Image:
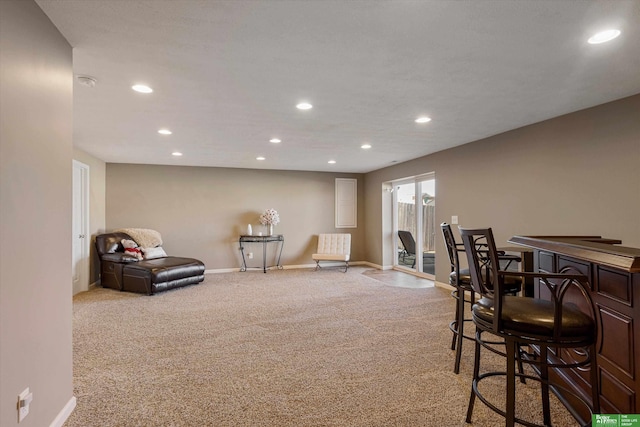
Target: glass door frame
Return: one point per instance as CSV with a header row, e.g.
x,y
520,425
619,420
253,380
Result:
x,y
417,182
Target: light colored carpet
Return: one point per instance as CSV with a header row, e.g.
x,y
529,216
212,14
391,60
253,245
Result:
x,y
286,348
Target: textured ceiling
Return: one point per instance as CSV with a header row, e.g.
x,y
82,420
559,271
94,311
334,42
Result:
x,y
227,75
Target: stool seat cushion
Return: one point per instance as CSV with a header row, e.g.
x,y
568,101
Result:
x,y
463,281
522,316
512,284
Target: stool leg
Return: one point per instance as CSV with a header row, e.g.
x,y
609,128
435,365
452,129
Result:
x,y
456,295
476,374
544,376
520,367
459,328
510,408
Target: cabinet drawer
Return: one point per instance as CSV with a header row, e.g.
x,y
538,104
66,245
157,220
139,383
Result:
x,y
572,266
615,285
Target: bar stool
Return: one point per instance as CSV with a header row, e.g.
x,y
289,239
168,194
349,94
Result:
x,y
461,282
544,324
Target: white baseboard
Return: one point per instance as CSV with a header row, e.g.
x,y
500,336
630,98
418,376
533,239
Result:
x,y
300,266
329,264
376,266
221,270
64,413
444,285
94,285
324,264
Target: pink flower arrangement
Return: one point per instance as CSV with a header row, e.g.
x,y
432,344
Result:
x,y
269,217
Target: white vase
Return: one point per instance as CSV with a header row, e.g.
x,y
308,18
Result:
x,y
249,230
270,230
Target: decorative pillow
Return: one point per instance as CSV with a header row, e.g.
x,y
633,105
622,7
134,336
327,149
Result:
x,y
144,237
131,248
151,253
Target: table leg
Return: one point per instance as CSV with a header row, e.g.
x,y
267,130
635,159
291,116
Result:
x,y
280,256
244,262
264,257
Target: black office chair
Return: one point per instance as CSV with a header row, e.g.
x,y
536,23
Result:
x,y
409,244
461,281
565,319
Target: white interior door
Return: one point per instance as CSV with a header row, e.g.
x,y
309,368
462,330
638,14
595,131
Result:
x,y
80,227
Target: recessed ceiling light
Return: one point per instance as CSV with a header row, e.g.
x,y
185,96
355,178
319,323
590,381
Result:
x,y
165,132
332,162
275,140
176,153
142,88
423,119
261,158
365,146
304,106
603,36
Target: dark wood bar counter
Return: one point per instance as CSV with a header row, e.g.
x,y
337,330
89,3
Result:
x,y
614,277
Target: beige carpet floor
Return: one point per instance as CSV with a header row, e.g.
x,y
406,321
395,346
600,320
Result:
x,y
286,348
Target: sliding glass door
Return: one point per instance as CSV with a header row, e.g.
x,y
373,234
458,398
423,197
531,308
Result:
x,y
414,224
428,220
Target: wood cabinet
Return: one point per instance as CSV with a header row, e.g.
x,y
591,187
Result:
x,y
614,277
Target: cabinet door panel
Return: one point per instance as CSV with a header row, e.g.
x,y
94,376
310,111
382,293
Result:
x,y
615,396
617,340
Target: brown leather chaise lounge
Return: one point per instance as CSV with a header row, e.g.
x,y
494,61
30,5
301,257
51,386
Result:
x,y
125,273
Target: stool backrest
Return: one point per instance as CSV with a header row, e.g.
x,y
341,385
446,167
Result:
x,y
482,256
452,248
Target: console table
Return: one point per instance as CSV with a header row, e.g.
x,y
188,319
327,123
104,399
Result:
x,y
614,278
277,239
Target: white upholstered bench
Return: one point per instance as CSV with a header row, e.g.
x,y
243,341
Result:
x,y
333,247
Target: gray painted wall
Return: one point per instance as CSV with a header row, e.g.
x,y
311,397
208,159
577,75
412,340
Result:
x,y
574,174
35,214
201,211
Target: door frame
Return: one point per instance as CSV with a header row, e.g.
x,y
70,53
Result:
x,y
83,193
417,181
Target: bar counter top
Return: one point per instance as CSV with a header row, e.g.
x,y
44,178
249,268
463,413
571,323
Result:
x,y
595,249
